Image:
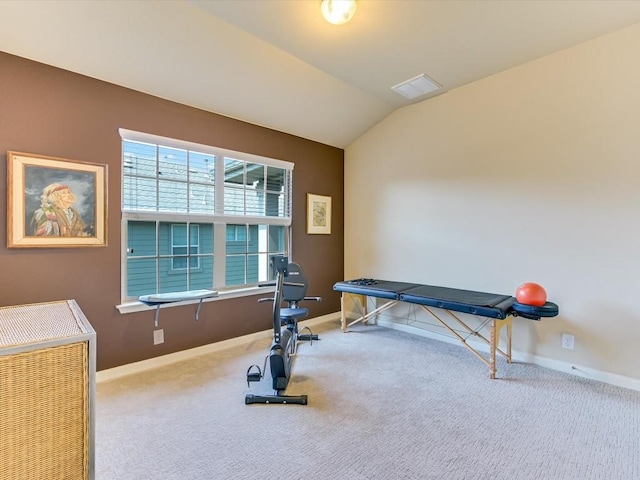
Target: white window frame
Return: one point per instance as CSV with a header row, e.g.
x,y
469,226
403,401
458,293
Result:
x,y
218,218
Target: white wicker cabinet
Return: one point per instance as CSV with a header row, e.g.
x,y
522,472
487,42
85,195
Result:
x,y
47,392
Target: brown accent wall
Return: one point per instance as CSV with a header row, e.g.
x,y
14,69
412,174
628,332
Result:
x,y
49,111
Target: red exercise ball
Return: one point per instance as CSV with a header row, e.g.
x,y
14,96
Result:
x,y
531,294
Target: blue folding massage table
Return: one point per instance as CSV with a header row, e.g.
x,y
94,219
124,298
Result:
x,y
499,310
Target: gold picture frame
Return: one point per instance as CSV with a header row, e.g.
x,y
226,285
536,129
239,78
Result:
x,y
318,214
55,202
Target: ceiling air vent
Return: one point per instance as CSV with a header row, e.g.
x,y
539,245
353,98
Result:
x,y
416,87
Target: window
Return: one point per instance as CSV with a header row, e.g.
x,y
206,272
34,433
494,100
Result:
x,y
196,217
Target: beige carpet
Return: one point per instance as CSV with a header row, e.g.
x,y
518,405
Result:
x,y
383,404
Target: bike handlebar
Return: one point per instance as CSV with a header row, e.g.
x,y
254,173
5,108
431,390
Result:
x,y
288,284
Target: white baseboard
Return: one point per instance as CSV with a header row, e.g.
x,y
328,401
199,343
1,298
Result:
x,y
577,370
584,372
163,360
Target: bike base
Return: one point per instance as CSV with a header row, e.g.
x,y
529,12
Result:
x,y
250,399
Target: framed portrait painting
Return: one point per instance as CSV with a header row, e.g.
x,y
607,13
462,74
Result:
x,y
55,203
318,214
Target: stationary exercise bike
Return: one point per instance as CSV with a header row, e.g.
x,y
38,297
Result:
x,y
291,287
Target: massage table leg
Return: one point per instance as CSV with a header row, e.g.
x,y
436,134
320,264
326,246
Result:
x,y
493,341
496,326
364,314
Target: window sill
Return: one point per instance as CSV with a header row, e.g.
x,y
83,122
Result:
x,y
136,306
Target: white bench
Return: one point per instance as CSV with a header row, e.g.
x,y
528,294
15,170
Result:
x,y
159,299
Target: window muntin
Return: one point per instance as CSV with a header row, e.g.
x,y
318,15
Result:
x,y
185,245
248,248
176,197
156,264
254,189
166,179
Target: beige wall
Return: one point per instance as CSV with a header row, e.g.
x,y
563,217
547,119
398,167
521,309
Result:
x,y
528,175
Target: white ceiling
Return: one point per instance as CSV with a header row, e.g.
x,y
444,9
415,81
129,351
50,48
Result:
x,y
277,63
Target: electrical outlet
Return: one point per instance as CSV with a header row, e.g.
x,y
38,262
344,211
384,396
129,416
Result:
x,y
158,336
568,341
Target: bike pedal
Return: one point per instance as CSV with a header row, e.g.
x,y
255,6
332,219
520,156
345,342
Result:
x,y
255,376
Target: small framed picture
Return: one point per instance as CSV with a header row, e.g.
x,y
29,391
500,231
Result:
x,y
55,203
318,214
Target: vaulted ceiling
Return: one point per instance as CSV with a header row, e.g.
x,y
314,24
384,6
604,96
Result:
x,y
279,64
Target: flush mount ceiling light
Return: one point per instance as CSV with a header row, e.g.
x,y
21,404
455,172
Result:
x,y
338,12
416,87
